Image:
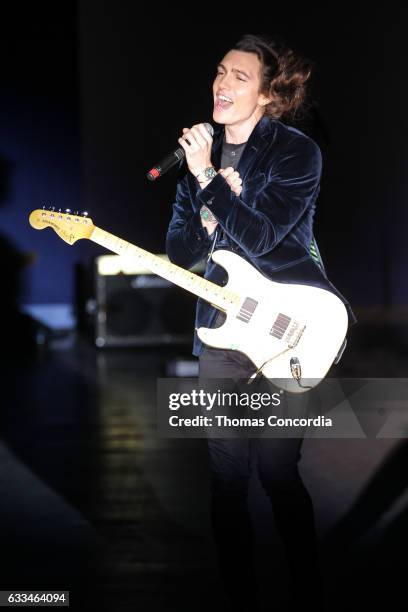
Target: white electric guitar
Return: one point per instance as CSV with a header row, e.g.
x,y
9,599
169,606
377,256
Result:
x,y
292,333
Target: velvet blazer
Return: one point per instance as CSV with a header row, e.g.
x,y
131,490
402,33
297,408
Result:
x,y
270,224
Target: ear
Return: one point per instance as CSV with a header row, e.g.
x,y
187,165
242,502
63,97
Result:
x,y
264,100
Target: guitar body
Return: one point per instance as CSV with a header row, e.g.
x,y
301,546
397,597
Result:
x,y
275,317
272,323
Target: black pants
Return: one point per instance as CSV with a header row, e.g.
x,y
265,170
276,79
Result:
x,y
231,462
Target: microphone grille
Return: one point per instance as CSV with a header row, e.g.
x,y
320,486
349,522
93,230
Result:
x,y
209,128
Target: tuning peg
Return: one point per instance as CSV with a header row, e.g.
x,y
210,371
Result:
x,y
68,211
84,213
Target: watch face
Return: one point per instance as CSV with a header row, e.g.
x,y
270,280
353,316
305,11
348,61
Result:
x,y
210,172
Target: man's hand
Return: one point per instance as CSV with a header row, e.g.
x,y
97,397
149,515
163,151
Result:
x,y
235,182
233,179
197,144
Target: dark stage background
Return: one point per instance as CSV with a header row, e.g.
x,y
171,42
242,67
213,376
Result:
x,y
141,85
92,94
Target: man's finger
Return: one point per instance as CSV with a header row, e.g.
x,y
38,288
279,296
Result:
x,y
204,133
227,172
200,140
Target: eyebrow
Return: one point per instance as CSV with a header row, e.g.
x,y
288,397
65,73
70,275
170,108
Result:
x,y
235,70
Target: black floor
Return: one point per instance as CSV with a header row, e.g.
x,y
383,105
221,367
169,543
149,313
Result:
x,y
95,502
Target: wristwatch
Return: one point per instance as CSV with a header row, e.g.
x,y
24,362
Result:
x,y
208,173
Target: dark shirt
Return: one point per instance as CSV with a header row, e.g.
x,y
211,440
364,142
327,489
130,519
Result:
x,y
231,154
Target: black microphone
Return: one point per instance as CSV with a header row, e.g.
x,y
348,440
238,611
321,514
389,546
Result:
x,y
168,162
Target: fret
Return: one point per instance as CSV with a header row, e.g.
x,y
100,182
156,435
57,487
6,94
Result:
x,y
201,287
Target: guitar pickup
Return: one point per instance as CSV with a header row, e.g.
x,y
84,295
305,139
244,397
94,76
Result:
x,y
294,334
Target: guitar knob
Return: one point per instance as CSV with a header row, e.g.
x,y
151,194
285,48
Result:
x,y
295,368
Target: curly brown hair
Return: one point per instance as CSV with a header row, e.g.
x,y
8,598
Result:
x,y
284,75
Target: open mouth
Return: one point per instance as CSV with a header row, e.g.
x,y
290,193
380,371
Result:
x,y
223,102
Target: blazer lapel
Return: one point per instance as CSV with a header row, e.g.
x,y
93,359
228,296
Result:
x,y
217,148
257,143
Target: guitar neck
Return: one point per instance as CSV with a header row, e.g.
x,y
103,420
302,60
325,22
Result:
x,y
208,291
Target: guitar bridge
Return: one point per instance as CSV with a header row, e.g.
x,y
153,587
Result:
x,y
294,334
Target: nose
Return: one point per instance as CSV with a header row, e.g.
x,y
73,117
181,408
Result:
x,y
222,81
225,79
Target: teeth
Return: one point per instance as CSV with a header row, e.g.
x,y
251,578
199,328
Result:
x,y
225,98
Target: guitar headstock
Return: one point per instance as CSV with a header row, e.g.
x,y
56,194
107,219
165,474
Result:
x,y
70,227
